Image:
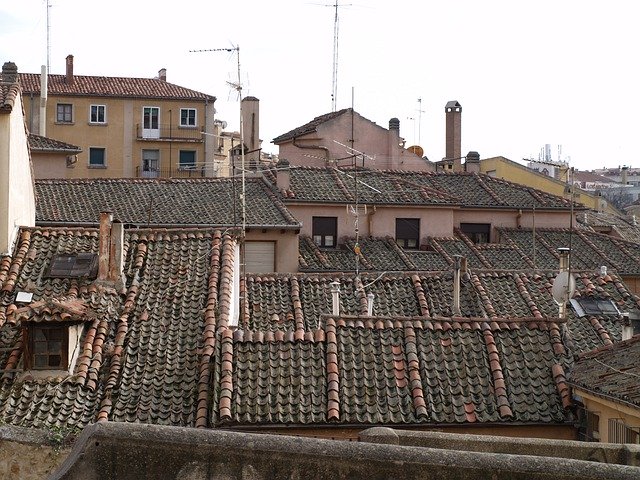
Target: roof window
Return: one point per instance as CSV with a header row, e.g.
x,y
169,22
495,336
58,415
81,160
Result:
x,y
75,265
594,306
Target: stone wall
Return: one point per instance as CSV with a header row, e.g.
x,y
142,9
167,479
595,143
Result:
x,y
28,454
110,451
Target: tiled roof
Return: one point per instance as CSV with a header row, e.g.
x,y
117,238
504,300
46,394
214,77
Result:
x,y
159,350
384,187
165,202
611,372
122,87
516,251
624,226
39,143
8,94
310,127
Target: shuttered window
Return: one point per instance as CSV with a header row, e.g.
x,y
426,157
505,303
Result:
x,y
260,257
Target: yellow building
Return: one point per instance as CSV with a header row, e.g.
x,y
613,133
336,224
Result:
x,y
125,127
605,381
501,167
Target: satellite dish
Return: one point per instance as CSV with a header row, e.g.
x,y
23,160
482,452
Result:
x,y
563,287
417,149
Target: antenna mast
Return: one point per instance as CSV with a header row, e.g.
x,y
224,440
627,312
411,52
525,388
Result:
x,y
48,37
334,85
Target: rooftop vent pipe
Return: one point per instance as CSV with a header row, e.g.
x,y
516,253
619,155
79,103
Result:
x,y
370,297
335,295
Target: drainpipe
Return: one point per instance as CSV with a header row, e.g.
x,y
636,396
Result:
x,y
335,294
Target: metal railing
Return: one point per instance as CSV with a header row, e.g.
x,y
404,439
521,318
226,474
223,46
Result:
x,y
170,132
185,172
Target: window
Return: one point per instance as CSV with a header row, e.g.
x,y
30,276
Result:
x,y
150,163
97,157
73,266
64,113
594,306
477,232
408,232
325,231
259,257
187,117
48,347
98,114
151,117
187,159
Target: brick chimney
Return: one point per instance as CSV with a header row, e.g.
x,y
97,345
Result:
x,y
162,74
453,111
69,79
395,143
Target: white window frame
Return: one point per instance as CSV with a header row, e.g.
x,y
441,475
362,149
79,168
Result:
x,y
98,108
195,117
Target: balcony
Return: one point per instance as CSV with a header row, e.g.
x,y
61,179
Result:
x,y
170,133
190,172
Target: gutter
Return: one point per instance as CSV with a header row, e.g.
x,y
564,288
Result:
x,y
147,226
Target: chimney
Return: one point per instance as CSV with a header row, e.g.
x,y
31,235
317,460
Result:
x,y
395,143
9,72
627,327
460,266
563,283
162,74
69,79
104,248
116,253
283,175
624,175
370,297
453,111
44,86
472,163
335,296
251,125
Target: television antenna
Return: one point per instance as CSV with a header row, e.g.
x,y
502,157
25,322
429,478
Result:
x,y
238,87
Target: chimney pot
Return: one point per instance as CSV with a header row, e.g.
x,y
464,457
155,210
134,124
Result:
x,y
370,297
162,74
394,124
69,78
472,163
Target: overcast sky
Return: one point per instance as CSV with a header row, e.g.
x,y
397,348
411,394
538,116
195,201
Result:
x,y
526,73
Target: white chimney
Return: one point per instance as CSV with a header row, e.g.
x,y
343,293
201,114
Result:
x,y
104,247
627,327
335,295
456,285
116,252
370,297
603,271
44,86
283,175
234,308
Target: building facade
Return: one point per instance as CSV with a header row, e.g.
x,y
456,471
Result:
x,y
125,127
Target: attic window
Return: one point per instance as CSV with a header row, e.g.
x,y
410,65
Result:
x,y
73,266
594,306
48,347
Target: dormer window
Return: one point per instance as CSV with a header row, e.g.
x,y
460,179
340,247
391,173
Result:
x,y
47,347
51,331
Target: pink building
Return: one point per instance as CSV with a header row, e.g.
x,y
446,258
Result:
x,y
346,138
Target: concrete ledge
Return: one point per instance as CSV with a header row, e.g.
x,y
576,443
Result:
x,y
626,454
121,451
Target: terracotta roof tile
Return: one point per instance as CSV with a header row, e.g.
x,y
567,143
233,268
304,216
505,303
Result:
x,y
165,202
121,87
39,143
610,372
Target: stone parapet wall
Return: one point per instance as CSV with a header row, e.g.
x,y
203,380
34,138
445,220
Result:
x,y
110,451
